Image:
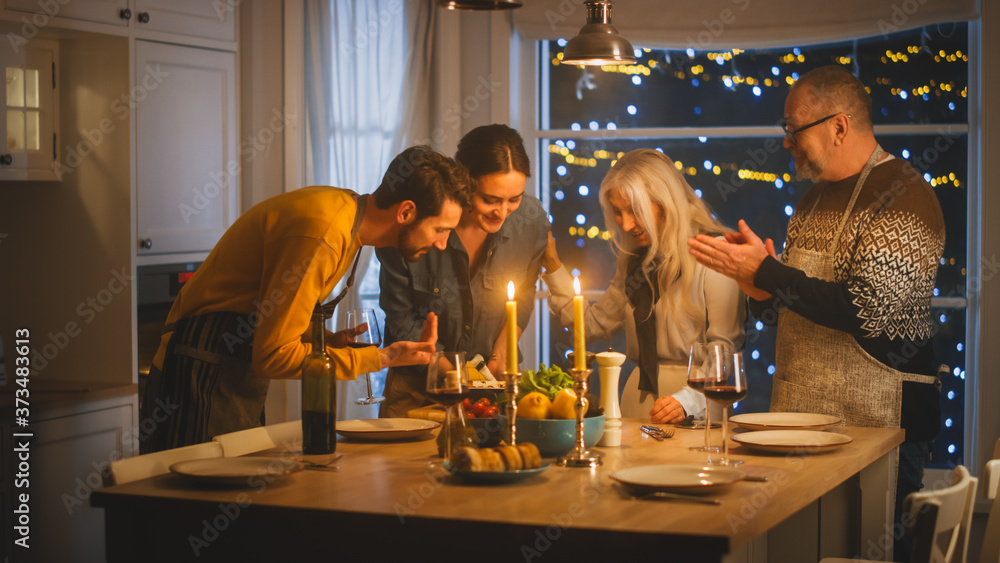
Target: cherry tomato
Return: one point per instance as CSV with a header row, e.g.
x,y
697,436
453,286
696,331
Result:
x,y
466,404
470,414
491,412
479,406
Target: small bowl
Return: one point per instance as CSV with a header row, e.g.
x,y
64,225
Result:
x,y
555,437
489,431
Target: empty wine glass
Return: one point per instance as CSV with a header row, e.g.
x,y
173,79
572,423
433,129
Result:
x,y
371,336
727,385
702,359
448,384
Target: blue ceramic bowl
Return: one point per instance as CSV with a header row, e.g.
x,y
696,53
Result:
x,y
489,431
555,437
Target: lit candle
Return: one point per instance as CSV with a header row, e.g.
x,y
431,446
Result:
x,y
511,329
579,343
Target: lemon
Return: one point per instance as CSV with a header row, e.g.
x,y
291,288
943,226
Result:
x,y
534,405
565,404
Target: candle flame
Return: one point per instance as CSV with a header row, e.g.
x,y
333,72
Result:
x,y
510,290
576,285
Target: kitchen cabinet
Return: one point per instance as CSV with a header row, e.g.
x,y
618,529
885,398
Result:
x,y
187,168
30,115
68,457
99,11
196,18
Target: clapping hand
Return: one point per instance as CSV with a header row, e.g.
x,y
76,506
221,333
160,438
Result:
x,y
738,257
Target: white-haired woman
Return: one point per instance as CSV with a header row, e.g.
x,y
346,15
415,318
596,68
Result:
x,y
660,296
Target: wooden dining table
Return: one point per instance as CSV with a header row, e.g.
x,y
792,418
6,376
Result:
x,y
393,501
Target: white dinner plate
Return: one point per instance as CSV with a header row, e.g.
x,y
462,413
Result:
x,y
792,441
784,421
385,429
236,471
687,478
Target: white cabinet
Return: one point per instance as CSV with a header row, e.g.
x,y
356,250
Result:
x,y
66,461
70,454
187,167
29,116
99,11
197,18
209,19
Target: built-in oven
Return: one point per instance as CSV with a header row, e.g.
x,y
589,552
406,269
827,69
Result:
x,y
156,288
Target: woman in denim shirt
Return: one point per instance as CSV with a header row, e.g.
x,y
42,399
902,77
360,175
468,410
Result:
x,y
501,238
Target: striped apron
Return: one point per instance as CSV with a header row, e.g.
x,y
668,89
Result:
x,y
207,386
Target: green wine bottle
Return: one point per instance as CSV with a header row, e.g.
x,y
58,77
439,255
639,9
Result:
x,y
319,394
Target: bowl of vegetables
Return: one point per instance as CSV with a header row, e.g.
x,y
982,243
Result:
x,y
546,413
482,416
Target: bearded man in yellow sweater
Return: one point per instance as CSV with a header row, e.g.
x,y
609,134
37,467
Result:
x,y
239,321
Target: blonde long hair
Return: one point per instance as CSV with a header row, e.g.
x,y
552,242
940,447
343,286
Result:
x,y
649,180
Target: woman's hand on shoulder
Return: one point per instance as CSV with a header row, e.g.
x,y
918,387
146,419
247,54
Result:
x,y
550,260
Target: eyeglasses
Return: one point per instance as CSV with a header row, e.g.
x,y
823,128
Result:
x,y
790,133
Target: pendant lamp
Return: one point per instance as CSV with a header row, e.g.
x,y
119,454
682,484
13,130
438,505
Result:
x,y
479,5
598,42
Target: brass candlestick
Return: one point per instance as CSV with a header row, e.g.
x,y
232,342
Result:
x,y
580,456
511,380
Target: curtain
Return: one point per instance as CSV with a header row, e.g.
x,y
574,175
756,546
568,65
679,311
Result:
x,y
367,74
726,24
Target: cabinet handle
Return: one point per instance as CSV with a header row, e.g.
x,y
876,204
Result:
x,y
125,14
6,159
146,243
143,17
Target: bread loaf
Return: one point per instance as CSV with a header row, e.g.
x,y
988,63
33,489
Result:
x,y
501,458
511,457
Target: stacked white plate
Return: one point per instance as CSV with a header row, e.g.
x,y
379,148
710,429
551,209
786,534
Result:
x,y
784,421
789,432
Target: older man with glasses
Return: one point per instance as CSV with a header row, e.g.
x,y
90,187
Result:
x,y
850,294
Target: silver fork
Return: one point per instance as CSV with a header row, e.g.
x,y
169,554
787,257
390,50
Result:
x,y
657,432
328,466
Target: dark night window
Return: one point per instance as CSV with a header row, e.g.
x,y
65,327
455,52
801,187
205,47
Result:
x,y
716,115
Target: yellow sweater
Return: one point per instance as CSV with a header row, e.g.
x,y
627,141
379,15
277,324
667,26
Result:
x,y
275,263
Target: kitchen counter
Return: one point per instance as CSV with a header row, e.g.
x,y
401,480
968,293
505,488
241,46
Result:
x,y
388,503
53,398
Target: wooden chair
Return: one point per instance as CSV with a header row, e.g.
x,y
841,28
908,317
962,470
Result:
x,y
158,463
990,551
252,440
942,519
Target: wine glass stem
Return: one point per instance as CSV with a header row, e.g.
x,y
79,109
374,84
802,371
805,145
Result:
x,y
368,380
708,428
447,433
725,444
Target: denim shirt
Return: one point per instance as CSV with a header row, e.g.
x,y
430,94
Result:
x,y
471,311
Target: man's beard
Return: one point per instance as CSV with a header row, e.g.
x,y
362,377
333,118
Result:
x,y
406,248
808,169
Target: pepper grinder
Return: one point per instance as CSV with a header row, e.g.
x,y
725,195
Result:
x,y
609,368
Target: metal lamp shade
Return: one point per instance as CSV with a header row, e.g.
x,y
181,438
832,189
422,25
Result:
x,y
479,5
598,42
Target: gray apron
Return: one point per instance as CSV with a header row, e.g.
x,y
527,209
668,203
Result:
x,y
825,371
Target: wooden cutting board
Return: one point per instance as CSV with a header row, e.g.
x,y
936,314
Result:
x,y
430,412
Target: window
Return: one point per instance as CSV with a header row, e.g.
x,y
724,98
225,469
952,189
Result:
x,y
29,116
716,115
